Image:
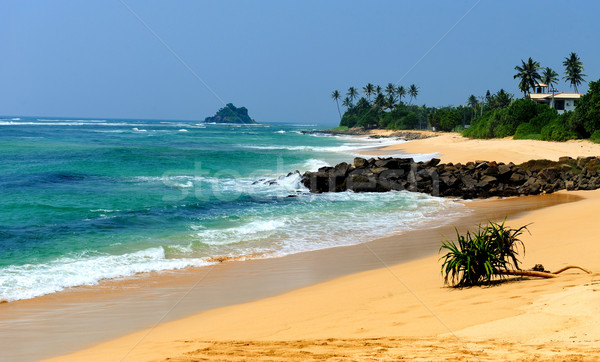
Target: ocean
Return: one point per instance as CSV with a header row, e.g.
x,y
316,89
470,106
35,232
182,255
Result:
x,y
82,200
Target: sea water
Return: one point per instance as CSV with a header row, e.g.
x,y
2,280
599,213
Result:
x,y
83,200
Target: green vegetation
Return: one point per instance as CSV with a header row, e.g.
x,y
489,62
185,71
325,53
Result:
x,y
340,128
525,119
573,70
527,74
231,114
476,258
383,108
495,115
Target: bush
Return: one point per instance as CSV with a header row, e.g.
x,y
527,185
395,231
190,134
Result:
x,y
586,118
556,131
504,130
503,122
477,257
527,131
595,137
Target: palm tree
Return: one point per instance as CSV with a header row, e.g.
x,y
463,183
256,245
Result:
x,y
400,92
390,90
502,99
369,90
574,70
390,102
378,90
352,93
347,103
549,76
336,96
379,102
472,102
528,75
413,91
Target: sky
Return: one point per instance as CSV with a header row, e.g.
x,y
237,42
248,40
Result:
x,y
183,60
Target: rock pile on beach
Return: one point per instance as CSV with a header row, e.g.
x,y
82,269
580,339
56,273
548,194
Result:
x,y
478,179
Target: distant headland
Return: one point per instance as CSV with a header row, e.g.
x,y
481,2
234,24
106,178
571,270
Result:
x,y
231,114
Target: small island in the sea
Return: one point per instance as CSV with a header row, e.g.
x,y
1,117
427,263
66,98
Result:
x,y
231,114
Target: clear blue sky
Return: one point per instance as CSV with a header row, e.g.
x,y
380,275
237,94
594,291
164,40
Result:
x,y
280,59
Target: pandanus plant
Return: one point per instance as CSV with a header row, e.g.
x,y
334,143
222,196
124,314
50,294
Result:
x,y
492,251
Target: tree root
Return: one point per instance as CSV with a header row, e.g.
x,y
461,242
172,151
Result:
x,y
539,274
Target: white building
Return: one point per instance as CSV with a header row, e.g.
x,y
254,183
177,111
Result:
x,y
561,101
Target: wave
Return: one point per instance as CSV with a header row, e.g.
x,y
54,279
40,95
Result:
x,y
29,281
242,233
314,164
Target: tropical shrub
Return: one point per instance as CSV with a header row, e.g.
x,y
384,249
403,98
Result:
x,y
595,137
557,130
504,122
475,258
586,118
527,131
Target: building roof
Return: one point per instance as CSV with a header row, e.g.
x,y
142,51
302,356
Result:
x,y
568,95
561,95
540,84
537,96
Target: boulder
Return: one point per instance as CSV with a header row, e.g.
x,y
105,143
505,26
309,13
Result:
x,y
360,162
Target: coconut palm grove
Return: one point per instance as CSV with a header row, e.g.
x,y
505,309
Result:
x,y
498,114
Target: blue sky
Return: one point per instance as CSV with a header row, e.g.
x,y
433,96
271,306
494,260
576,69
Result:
x,y
280,59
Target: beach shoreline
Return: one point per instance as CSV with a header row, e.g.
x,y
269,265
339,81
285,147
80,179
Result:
x,y
402,308
132,304
308,274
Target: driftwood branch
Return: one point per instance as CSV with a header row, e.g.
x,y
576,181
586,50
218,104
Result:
x,y
572,267
539,274
527,273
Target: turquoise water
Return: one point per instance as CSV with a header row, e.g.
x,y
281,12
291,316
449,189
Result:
x,y
85,200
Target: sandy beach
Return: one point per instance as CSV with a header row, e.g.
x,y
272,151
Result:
x,y
402,310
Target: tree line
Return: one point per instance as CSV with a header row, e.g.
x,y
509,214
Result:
x,y
380,108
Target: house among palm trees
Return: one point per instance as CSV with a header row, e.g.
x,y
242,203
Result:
x,y
561,101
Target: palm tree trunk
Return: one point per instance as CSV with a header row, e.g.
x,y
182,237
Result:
x,y
338,106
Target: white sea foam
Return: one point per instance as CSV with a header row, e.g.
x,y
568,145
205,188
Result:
x,y
234,235
139,130
323,221
314,164
183,130
29,281
280,131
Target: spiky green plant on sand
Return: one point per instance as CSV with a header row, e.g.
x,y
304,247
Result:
x,y
476,257
492,251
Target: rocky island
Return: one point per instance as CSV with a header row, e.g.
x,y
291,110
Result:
x,y
231,114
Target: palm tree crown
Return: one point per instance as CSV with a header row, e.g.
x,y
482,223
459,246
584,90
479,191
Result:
x,y
347,102
390,90
336,96
549,76
574,70
528,75
413,91
369,90
401,92
352,93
